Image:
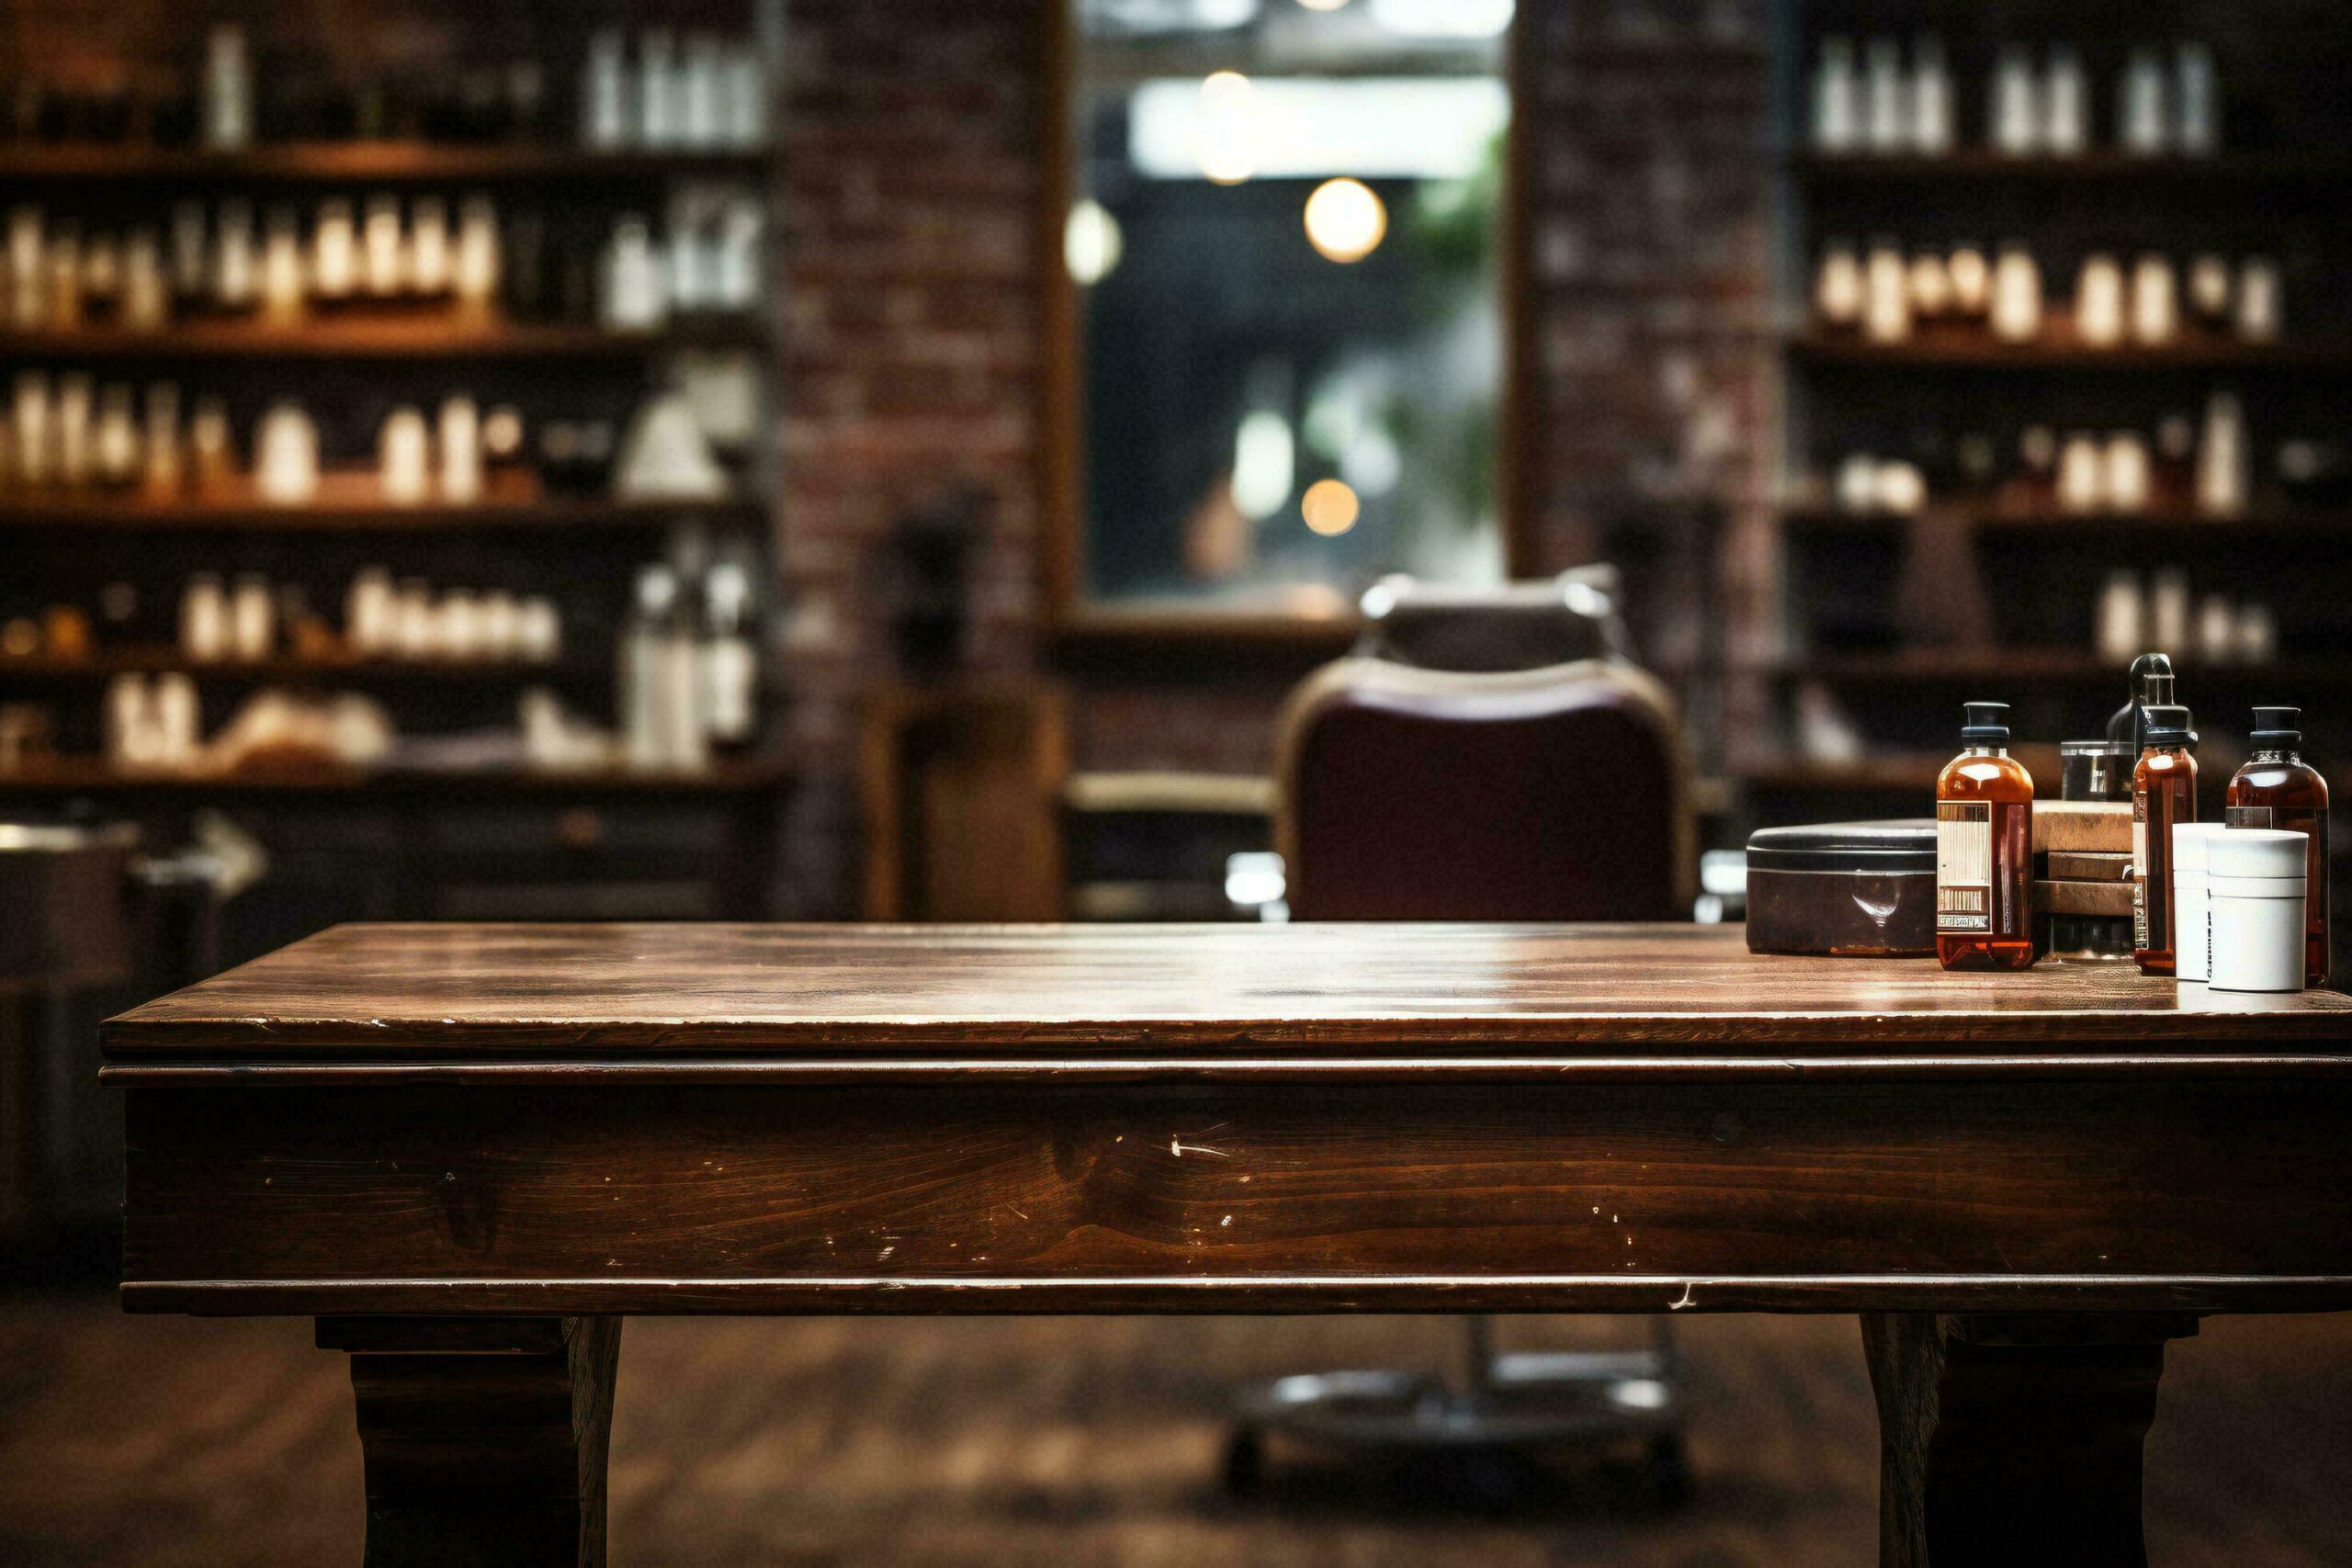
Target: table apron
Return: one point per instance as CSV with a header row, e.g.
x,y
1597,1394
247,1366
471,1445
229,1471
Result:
x,y
1953,1194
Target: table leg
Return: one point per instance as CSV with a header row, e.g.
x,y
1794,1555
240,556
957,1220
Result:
x,y
484,1438
2011,1438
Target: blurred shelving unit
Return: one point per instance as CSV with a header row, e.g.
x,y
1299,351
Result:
x,y
1885,620
480,837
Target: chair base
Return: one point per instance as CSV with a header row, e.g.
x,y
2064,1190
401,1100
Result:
x,y
1519,1403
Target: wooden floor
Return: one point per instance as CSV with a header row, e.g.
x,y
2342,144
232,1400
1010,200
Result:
x,y
159,1441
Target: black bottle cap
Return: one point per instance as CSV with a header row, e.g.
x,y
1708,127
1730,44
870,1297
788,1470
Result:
x,y
1988,724
2280,727
2168,725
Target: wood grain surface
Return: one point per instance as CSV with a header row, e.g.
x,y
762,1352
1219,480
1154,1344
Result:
x,y
1354,991
961,1198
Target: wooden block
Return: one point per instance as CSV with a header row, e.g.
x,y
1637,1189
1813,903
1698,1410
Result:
x,y
2111,898
2100,825
2083,865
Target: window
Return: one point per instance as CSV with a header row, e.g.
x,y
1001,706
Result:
x,y
1283,243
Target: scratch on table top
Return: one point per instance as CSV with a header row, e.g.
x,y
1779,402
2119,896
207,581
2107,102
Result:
x,y
1180,1148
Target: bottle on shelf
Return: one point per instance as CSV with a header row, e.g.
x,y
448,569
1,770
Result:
x,y
2065,105
2144,125
730,658
236,278
191,268
2016,310
603,93
1886,121
402,448
2257,315
146,291
2276,788
1985,850
2015,118
2098,301
1931,107
2222,456
1838,288
227,89
428,267
2197,109
659,111
161,468
1836,98
2155,301
660,677
1886,294
635,292
2164,794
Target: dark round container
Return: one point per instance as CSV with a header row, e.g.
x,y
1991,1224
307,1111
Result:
x,y
1849,889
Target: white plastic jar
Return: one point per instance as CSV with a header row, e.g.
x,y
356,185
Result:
x,y
2192,923
2255,885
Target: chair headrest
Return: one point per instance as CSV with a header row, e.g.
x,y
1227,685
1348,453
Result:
x,y
1494,627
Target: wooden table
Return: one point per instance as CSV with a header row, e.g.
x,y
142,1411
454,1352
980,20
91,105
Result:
x,y
468,1151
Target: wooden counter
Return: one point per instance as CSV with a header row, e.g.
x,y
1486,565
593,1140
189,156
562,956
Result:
x,y
462,1147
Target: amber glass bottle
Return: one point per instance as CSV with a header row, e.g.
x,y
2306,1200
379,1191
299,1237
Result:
x,y
1985,850
2163,794
2276,789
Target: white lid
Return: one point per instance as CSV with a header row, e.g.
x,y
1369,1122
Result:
x,y
2257,853
2188,841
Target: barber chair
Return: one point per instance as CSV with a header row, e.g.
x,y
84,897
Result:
x,y
1484,756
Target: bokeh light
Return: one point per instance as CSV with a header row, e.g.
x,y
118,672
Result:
x,y
1329,507
1345,220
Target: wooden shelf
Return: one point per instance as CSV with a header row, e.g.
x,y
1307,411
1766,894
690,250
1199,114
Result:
x,y
373,162
1995,516
419,336
2058,349
107,662
361,512
2226,172
85,776
1929,666
1197,794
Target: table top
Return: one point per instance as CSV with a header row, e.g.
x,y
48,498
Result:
x,y
1273,999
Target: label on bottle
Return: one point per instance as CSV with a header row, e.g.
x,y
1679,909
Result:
x,y
1964,866
2140,872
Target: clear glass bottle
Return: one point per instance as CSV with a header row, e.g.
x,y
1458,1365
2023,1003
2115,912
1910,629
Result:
x,y
1985,850
2278,789
2163,794
730,658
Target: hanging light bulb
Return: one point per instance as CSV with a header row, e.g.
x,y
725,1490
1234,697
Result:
x,y
1226,131
1345,220
1092,243
1329,507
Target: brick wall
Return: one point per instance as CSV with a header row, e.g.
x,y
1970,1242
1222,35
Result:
x,y
910,358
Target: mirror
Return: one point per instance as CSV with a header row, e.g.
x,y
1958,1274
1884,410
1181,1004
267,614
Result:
x,y
1283,246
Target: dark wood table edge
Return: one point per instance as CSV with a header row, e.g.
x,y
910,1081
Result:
x,y
884,1295
125,1037
1192,1069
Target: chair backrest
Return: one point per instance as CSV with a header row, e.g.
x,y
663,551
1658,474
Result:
x,y
1554,793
